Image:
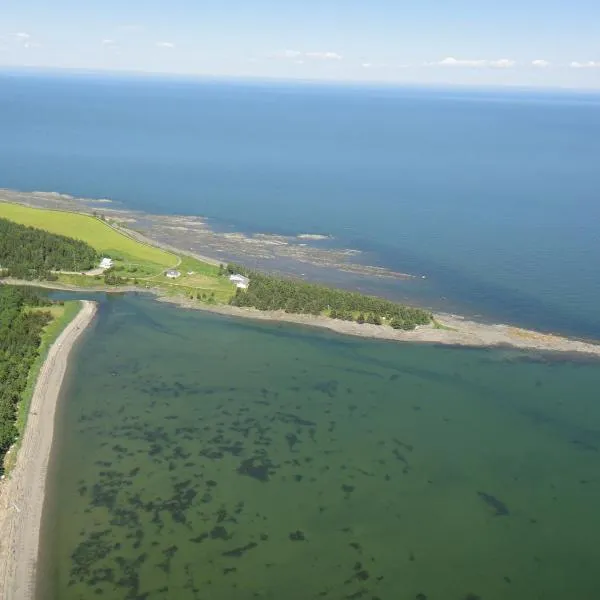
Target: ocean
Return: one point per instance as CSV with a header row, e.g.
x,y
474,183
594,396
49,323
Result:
x,y
491,194
201,457
198,456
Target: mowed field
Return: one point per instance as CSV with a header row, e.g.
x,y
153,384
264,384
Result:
x,y
95,232
142,263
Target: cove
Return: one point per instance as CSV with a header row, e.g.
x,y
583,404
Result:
x,y
198,456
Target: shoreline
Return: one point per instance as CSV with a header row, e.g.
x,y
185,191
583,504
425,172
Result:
x,y
447,329
452,330
22,491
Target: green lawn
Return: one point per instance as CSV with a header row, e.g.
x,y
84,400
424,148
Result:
x,y
197,279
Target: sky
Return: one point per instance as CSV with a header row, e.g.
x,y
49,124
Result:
x,y
551,43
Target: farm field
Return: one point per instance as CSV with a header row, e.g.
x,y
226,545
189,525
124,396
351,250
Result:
x,y
142,264
95,232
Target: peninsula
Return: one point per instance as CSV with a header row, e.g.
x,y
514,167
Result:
x,y
194,281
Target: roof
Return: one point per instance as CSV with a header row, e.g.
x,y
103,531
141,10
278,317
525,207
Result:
x,y
239,278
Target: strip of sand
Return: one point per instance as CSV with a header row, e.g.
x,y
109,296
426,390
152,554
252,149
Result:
x,y
448,329
451,330
22,493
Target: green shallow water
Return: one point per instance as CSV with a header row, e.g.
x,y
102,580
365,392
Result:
x,y
201,457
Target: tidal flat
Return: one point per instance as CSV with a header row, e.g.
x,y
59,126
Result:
x,y
197,456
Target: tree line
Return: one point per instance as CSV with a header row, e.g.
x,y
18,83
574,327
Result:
x,y
269,292
20,339
30,253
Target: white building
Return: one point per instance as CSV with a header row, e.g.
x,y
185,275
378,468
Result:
x,y
106,263
240,281
173,274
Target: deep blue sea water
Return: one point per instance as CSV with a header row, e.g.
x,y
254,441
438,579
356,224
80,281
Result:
x,y
494,195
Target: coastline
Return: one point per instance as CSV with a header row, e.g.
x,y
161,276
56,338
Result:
x,y
22,492
451,330
447,329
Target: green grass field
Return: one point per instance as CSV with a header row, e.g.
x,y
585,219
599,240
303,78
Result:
x,y
95,232
136,261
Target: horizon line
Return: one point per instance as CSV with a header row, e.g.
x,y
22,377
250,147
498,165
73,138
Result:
x,y
135,73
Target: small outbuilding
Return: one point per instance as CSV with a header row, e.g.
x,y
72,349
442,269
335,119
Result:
x,y
172,274
106,263
240,281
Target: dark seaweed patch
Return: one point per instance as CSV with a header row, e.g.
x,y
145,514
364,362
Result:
x,y
291,440
501,510
257,467
219,533
294,419
239,552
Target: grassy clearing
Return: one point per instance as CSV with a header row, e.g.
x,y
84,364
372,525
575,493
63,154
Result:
x,y
83,281
95,232
140,263
62,316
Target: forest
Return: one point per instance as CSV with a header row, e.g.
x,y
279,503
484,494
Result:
x,y
20,338
30,253
268,292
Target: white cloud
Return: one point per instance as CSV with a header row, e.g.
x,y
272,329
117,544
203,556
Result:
x,y
165,44
377,66
324,55
502,63
288,54
590,64
109,43
298,56
24,39
455,62
540,63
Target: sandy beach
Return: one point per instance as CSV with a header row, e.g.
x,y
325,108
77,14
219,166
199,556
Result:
x,y
22,492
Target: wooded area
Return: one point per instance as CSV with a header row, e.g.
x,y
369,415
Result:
x,y
20,338
268,292
30,253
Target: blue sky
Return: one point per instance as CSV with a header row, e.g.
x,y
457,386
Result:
x,y
513,42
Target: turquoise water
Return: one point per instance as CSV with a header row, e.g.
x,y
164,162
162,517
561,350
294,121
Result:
x,y
201,457
493,195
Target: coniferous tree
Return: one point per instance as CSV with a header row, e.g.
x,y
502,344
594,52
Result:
x,y
30,253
